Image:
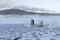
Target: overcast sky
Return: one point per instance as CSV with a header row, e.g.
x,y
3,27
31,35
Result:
x,y
47,4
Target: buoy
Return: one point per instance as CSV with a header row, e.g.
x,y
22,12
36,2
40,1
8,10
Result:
x,y
31,22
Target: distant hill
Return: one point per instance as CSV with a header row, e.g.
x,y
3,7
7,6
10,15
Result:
x,y
22,12
15,12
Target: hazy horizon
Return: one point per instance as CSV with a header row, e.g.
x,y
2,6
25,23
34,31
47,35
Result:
x,y
47,4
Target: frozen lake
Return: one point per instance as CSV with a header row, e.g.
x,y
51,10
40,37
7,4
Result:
x,y
25,19
12,26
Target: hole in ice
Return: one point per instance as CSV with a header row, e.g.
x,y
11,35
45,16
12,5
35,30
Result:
x,y
16,38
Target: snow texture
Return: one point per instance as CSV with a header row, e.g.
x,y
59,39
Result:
x,y
17,27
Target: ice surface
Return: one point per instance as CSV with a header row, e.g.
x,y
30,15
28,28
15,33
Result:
x,y
18,27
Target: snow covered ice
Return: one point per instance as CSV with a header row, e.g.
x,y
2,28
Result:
x,y
18,26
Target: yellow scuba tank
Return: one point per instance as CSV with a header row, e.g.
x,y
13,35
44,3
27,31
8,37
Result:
x,y
31,22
